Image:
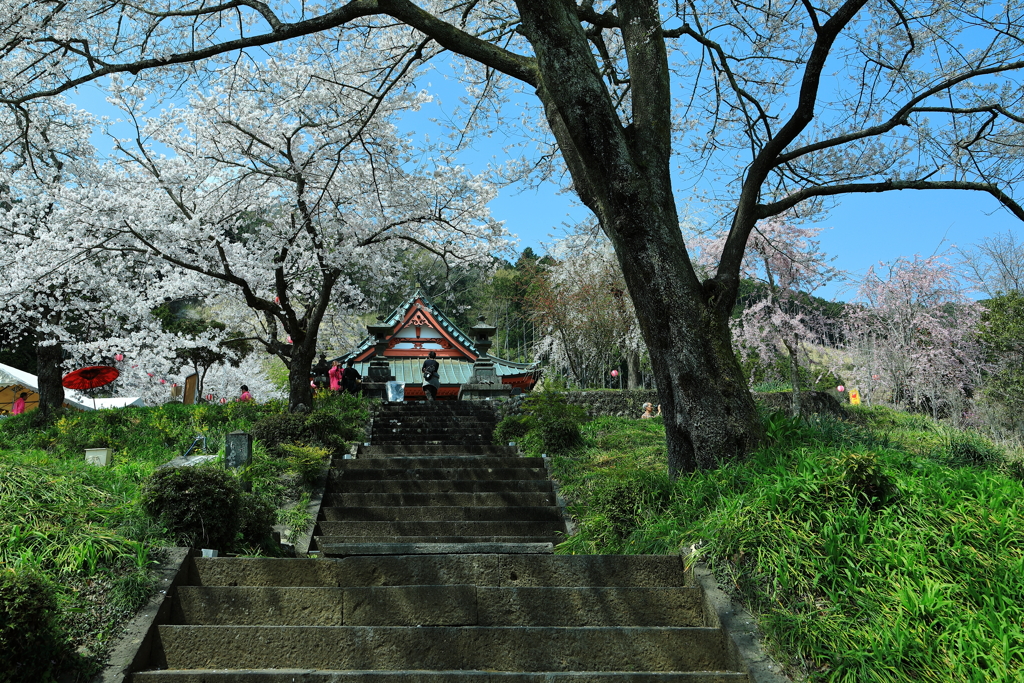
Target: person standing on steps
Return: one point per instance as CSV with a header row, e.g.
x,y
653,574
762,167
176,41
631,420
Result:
x,y
431,377
350,378
335,373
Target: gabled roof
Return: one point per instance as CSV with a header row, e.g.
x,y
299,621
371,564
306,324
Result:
x,y
446,323
403,316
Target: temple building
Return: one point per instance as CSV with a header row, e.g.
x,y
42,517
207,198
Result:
x,y
416,328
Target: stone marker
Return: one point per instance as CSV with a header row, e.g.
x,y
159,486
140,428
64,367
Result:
x,y
97,456
237,450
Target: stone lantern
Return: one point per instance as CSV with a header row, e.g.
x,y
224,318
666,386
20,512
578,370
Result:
x,y
379,370
484,383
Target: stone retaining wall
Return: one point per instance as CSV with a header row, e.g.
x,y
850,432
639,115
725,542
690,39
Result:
x,y
631,403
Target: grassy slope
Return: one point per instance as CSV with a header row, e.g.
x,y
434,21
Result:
x,y
82,527
884,548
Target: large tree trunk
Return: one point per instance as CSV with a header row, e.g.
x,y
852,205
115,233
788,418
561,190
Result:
x,y
48,364
300,393
623,174
633,370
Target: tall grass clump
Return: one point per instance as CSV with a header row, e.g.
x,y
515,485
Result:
x,y
868,551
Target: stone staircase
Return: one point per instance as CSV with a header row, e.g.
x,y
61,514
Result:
x,y
436,566
431,482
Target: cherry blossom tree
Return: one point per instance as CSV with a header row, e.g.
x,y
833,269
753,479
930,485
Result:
x,y
288,186
787,261
583,310
913,335
770,108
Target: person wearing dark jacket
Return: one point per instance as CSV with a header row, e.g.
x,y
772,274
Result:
x,y
350,378
431,377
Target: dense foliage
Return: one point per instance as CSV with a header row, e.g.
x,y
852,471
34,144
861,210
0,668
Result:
x,y
84,530
887,547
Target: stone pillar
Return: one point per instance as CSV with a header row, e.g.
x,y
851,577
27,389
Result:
x,y
237,450
484,383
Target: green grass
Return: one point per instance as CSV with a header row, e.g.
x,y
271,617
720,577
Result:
x,y
82,527
883,548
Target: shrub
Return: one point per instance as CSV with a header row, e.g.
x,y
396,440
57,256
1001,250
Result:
x,y
558,422
329,428
513,428
862,475
277,429
30,642
307,461
199,506
970,448
256,519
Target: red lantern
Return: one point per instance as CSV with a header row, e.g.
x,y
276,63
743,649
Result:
x,y
162,380
119,357
174,384
277,299
874,376
615,373
223,400
289,340
209,397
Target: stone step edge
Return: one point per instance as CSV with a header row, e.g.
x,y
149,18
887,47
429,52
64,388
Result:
x,y
483,548
419,676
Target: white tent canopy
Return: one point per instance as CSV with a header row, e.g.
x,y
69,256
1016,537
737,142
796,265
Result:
x,y
13,382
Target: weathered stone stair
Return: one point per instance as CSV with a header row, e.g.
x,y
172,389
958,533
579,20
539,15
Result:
x,y
432,482
463,618
436,566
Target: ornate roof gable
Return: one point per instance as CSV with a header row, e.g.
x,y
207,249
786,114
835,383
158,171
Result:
x,y
417,328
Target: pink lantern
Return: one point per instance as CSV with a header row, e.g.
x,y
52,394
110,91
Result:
x,y
874,376
150,374
209,397
223,401
277,299
615,373
162,380
119,357
840,388
174,384
289,340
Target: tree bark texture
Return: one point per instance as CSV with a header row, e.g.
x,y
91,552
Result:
x,y
51,391
623,175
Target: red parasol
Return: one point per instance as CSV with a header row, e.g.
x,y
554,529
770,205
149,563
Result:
x,y
90,378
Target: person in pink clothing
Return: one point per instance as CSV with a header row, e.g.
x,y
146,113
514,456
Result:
x,y
335,374
246,396
19,404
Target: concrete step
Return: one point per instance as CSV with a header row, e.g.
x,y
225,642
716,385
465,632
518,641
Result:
x,y
440,528
416,440
345,485
495,499
477,569
378,451
498,545
322,676
431,461
447,605
640,648
551,538
426,513
446,473
464,421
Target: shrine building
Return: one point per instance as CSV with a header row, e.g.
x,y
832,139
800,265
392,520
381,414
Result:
x,y
416,328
